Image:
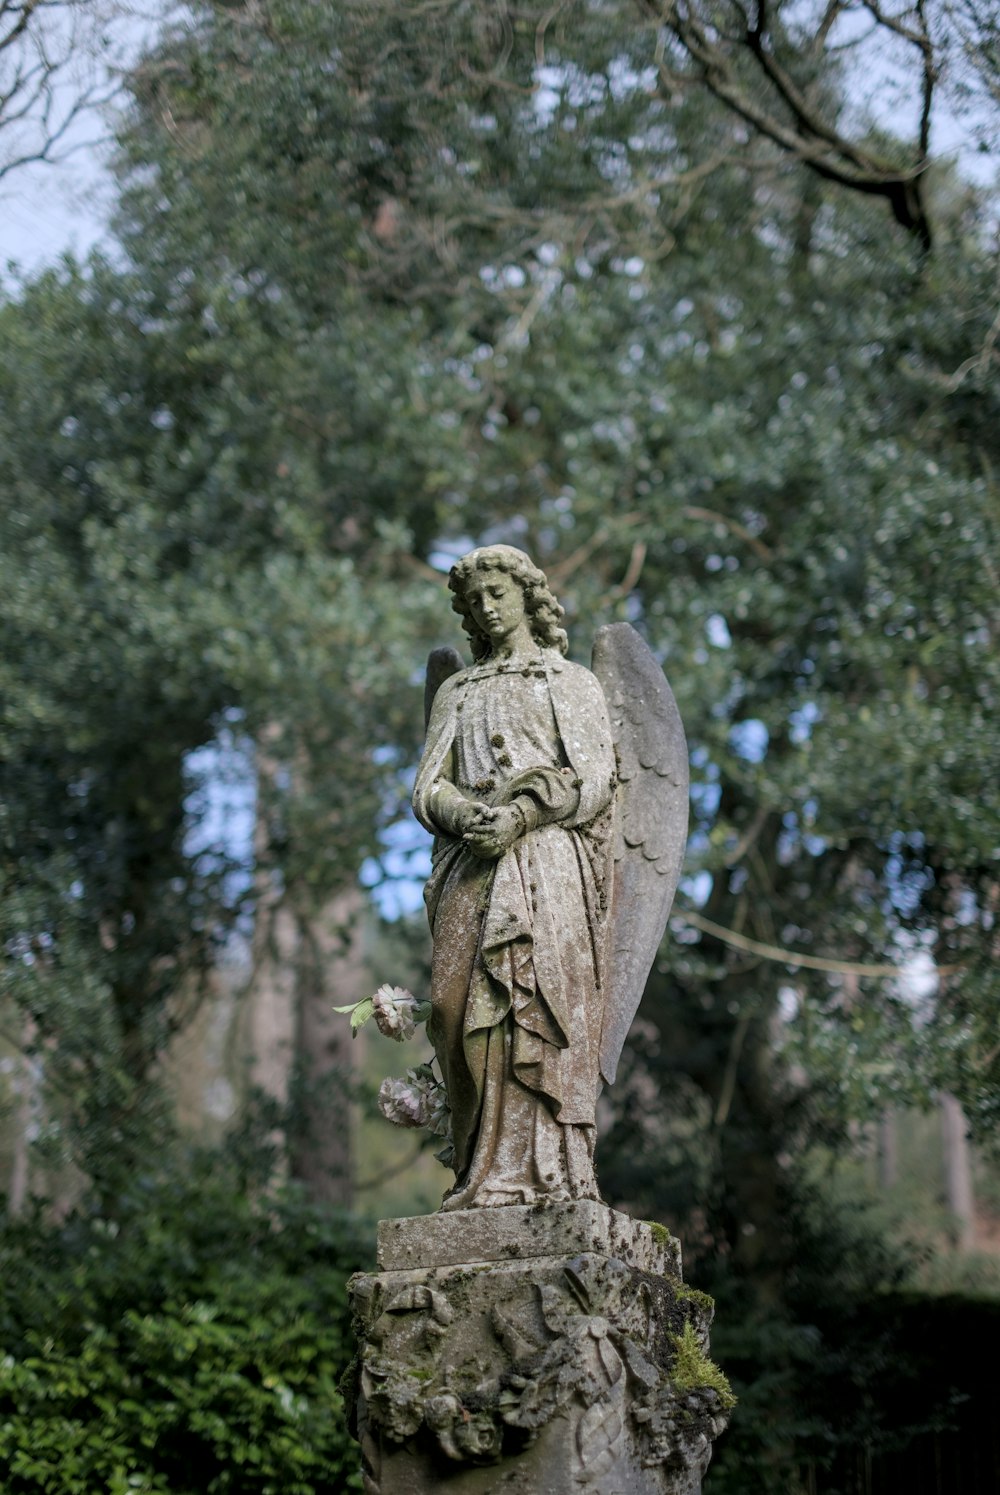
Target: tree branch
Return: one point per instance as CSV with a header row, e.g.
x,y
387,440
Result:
x,y
805,133
55,69
795,957
691,511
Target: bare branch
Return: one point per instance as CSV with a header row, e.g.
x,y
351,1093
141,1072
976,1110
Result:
x,y
796,957
55,68
930,76
631,578
714,517
919,37
831,16
895,24
541,29
23,14
560,571
791,114
979,362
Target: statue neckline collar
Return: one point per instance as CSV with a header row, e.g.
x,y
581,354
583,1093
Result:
x,y
538,663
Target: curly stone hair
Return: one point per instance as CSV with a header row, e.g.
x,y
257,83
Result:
x,y
543,612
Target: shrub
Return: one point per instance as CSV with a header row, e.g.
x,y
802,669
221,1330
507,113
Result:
x,y
192,1345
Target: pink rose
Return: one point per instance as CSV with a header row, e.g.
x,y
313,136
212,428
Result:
x,y
419,1100
394,1012
403,1104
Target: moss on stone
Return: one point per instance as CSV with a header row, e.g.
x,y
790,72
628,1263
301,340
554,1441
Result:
x,y
694,1295
661,1235
692,1370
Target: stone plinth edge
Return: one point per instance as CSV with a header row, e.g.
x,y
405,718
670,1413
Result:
x,y
524,1232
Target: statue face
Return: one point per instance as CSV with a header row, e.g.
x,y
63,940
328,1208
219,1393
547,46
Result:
x,y
496,603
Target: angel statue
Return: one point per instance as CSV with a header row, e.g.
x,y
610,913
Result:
x,y
558,800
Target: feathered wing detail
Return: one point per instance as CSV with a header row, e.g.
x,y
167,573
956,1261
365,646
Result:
x,y
441,664
651,819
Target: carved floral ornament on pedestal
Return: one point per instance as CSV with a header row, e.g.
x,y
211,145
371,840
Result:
x,y
621,1355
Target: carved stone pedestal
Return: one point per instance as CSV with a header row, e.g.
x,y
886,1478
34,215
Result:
x,y
537,1350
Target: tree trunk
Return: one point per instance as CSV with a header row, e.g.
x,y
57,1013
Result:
x,y
887,1150
269,1023
958,1188
26,1091
299,1050
305,961
330,972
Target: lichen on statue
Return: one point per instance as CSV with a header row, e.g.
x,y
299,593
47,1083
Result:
x,y
518,784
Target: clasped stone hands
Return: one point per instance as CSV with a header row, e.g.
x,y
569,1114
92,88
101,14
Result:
x,y
489,831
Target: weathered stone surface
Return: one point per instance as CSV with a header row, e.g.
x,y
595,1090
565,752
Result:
x,y
523,1232
556,1370
558,800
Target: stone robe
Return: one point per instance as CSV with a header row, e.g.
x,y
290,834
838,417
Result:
x,y
520,941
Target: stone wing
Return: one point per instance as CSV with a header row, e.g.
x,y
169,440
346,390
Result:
x,y
651,819
441,663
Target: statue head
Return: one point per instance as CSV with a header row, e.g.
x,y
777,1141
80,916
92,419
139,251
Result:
x,y
541,609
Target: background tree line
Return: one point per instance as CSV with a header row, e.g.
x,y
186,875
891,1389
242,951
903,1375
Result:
x,y
657,292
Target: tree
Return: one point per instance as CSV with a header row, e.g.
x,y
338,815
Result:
x,y
187,600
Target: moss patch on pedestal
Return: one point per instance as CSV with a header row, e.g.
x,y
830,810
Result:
x,y
692,1369
661,1235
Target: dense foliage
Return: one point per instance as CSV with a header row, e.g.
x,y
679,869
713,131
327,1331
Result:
x,y
195,1343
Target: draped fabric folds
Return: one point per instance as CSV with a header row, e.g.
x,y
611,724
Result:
x,y
520,942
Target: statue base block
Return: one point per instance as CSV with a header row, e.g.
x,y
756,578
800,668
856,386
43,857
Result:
x,y
546,1349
